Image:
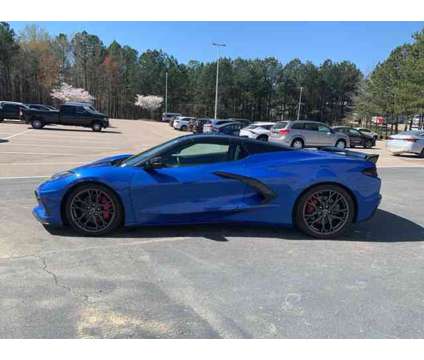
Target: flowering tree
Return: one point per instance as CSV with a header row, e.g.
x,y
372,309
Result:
x,y
149,102
66,92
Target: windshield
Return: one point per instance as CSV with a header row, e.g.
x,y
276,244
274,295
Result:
x,y
280,125
138,158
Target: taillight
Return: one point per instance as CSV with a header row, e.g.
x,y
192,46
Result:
x,y
403,139
283,131
410,139
371,171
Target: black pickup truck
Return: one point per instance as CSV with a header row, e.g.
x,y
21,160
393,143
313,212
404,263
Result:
x,y
12,110
75,114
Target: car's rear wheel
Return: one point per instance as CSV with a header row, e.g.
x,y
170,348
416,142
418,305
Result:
x,y
37,124
324,211
421,154
262,138
297,144
183,128
341,144
96,126
93,210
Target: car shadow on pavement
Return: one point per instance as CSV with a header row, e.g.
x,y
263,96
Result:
x,y
3,141
383,227
78,130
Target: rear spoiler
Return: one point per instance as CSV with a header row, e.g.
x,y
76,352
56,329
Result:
x,y
358,155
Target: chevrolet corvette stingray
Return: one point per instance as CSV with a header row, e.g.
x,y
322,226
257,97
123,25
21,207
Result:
x,y
215,179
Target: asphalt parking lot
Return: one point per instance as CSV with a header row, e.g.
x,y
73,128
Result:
x,y
201,281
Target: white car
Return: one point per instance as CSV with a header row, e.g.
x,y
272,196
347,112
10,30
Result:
x,y
407,142
368,132
181,123
257,130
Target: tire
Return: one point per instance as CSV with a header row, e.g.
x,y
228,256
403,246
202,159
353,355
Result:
x,y
421,154
183,128
1,119
309,203
262,138
368,144
101,206
37,124
96,126
341,144
297,144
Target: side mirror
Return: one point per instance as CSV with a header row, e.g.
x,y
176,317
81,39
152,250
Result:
x,y
154,163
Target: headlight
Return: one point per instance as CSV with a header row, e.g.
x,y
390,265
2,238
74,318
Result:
x,y
62,174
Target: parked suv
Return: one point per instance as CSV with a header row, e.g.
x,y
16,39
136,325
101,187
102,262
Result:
x,y
71,113
12,110
303,133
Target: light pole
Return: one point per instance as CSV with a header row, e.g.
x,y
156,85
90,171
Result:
x,y
217,76
166,92
300,102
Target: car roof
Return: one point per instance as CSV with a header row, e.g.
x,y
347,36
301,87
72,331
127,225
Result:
x,y
75,103
259,123
238,139
11,102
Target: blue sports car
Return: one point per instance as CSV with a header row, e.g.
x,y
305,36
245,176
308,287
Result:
x,y
215,179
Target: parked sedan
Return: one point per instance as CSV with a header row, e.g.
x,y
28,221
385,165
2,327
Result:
x,y
215,179
407,142
368,132
232,128
258,130
356,137
210,125
182,122
302,133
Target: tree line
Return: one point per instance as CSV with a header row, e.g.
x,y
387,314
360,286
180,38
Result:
x,y
395,88
33,62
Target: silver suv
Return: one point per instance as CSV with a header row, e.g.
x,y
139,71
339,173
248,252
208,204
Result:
x,y
302,133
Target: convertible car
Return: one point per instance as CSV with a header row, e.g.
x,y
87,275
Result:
x,y
215,179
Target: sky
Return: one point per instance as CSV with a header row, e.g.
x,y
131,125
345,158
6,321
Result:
x,y
363,43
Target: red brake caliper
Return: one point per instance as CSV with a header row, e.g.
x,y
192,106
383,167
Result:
x,y
107,205
311,208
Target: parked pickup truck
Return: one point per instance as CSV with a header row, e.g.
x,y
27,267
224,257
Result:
x,y
12,110
71,113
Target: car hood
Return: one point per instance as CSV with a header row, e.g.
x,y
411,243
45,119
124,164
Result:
x,y
107,161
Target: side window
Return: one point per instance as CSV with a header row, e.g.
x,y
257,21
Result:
x,y
298,125
196,154
311,126
354,132
67,110
80,110
10,108
323,128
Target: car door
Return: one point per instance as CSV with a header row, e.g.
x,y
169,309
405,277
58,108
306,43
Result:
x,y
67,115
325,136
355,137
187,189
310,134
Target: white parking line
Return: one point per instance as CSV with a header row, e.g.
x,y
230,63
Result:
x,y
20,133
23,177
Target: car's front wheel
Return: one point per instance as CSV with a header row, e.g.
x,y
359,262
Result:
x,y
93,210
262,138
324,211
